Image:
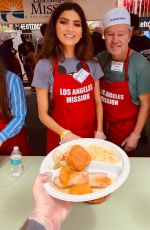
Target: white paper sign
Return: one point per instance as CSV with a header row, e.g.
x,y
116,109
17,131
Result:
x,y
81,75
117,66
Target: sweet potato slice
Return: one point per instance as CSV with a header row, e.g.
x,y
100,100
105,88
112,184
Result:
x,y
78,157
65,173
80,189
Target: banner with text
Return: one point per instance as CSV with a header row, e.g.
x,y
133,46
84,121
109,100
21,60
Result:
x,y
24,11
39,11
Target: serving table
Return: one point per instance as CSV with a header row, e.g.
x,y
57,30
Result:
x,y
128,208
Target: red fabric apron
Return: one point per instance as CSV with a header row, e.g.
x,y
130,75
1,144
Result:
x,y
120,113
74,106
19,140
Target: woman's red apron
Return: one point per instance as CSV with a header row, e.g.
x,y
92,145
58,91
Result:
x,y
19,140
74,106
120,113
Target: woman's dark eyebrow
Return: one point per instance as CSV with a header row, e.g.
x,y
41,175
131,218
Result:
x,y
67,19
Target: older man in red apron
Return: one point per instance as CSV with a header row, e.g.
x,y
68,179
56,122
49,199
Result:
x,y
125,107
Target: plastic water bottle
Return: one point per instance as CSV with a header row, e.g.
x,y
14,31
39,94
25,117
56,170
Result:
x,y
16,162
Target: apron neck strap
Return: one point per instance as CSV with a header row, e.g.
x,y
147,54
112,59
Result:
x,y
55,65
126,63
84,66
106,61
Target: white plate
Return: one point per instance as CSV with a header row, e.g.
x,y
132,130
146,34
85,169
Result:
x,y
117,171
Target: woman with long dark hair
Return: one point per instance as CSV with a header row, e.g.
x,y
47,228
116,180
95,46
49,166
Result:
x,y
68,73
12,113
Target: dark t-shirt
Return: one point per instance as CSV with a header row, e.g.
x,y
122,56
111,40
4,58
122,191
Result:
x,y
141,44
10,60
24,48
99,43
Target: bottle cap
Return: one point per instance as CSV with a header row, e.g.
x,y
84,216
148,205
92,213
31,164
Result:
x,y
16,148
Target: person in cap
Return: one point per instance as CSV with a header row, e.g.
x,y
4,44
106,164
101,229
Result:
x,y
125,87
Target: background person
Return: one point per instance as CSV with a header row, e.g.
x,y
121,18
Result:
x,y
24,49
139,42
49,213
31,60
12,113
98,41
125,87
41,40
66,71
8,55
